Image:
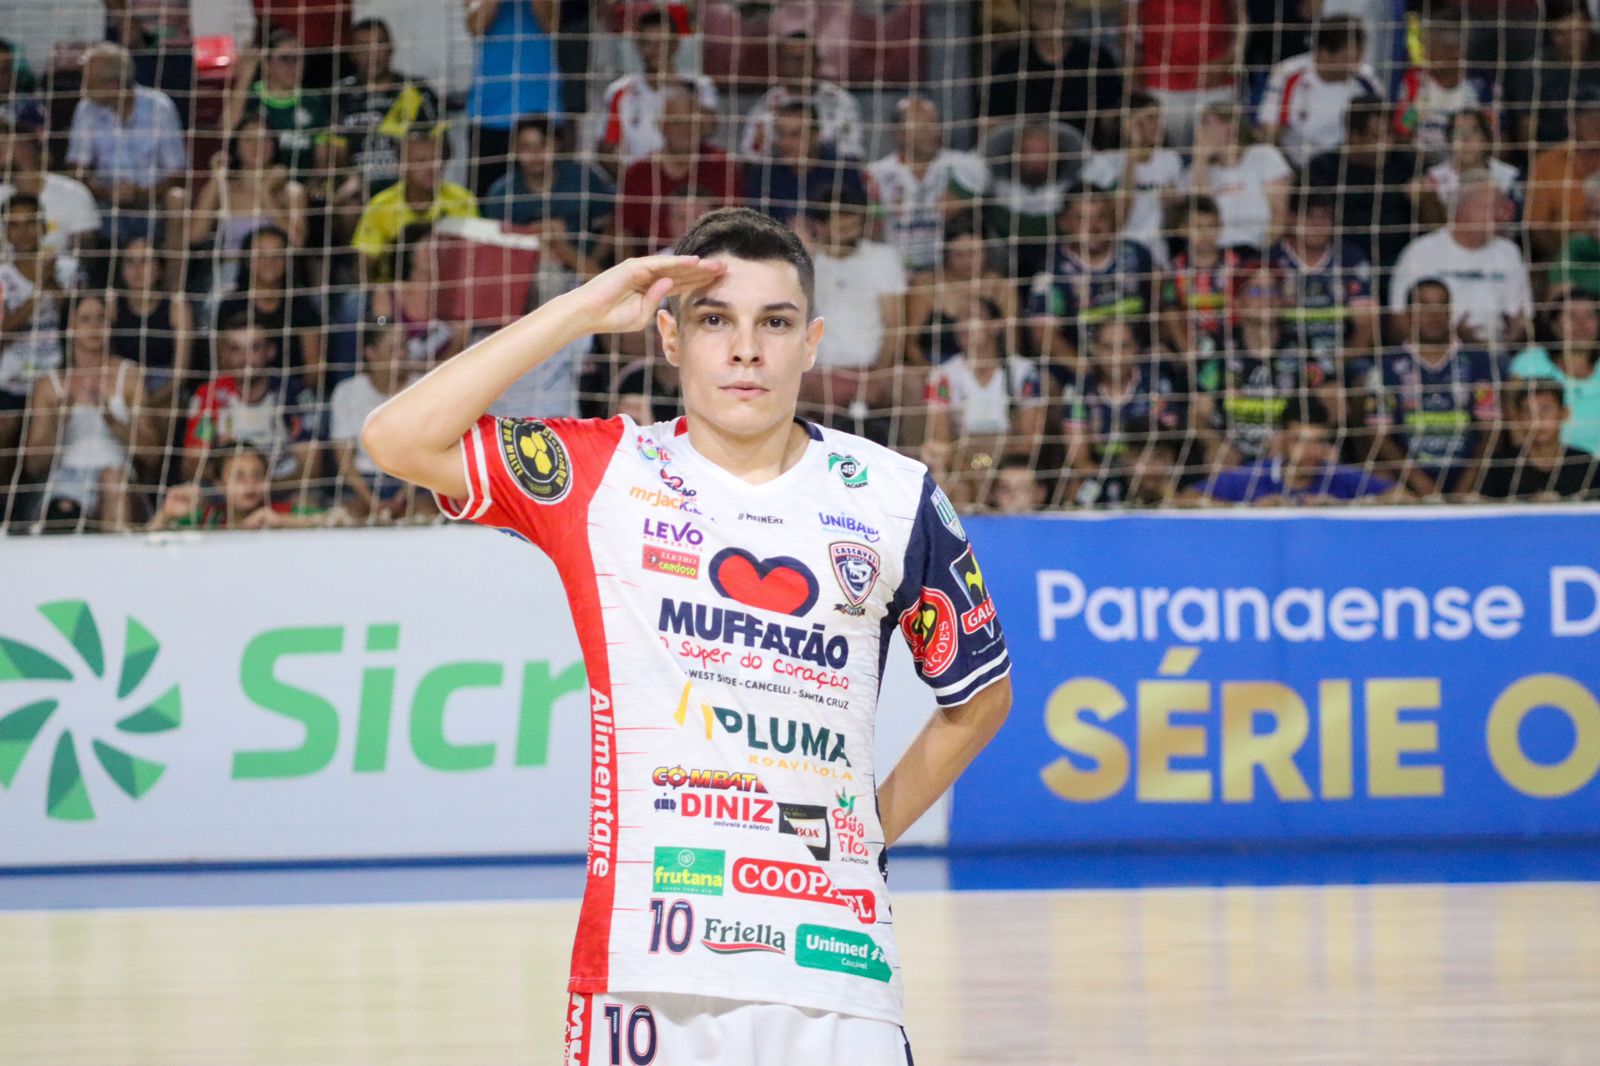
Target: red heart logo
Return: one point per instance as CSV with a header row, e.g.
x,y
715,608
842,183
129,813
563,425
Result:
x,y
778,584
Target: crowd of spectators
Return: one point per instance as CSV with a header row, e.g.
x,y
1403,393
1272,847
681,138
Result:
x,y
1143,256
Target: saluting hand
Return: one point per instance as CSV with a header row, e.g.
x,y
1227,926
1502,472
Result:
x,y
624,299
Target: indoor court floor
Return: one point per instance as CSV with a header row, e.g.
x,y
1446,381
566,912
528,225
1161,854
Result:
x,y
155,968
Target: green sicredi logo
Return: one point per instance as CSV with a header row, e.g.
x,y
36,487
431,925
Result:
x,y
64,720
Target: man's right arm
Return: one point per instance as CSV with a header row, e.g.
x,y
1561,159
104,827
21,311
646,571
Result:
x,y
414,435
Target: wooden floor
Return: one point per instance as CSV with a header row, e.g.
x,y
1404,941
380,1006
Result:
x,y
1466,975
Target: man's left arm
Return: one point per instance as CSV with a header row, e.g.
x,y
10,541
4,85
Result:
x,y
949,742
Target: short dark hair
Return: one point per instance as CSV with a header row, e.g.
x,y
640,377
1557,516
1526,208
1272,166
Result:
x,y
238,318
1201,205
1308,197
1308,410
1336,32
1421,283
1363,110
538,122
374,327
841,193
22,199
373,24
747,234
1525,389
651,19
1016,461
798,106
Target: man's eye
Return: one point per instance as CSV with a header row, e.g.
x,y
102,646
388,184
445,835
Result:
x,y
711,320
778,323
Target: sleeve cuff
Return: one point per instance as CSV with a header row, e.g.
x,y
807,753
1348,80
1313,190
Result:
x,y
960,692
478,498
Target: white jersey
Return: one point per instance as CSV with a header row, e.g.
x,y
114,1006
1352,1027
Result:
x,y
36,348
1307,112
1161,173
984,407
733,638
632,119
913,216
838,120
1487,285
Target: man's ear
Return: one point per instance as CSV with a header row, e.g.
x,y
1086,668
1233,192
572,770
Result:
x,y
813,339
667,327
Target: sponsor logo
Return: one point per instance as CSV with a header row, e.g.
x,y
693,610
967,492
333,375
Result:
x,y
810,884
818,947
855,567
851,471
849,831
768,733
59,714
736,627
577,1026
678,777
736,938
810,824
929,626
602,811
536,459
675,534
655,453
947,513
970,578
694,871
849,524
721,808
764,519
667,561
662,498
779,584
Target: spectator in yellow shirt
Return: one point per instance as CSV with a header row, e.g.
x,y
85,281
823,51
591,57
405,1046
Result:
x,y
421,195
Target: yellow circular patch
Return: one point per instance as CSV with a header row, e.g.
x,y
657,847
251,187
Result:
x,y
536,459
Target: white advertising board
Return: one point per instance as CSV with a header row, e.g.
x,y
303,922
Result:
x,y
306,695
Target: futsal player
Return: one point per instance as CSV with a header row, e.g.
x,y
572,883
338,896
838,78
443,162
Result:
x,y
734,575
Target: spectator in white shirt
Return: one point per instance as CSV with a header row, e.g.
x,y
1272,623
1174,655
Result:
x,y
1486,276
838,112
630,124
70,212
1248,181
1303,107
1145,175
922,184
860,291
385,370
1470,135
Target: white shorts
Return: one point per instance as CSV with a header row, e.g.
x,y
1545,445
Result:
x,y
666,1029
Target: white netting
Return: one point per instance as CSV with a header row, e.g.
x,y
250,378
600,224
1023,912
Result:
x,y
1106,255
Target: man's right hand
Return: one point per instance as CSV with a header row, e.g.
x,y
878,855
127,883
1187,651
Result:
x,y
624,299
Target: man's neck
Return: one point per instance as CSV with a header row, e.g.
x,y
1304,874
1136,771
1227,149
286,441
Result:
x,y
416,195
757,459
1578,362
1434,355
1544,454
536,181
1469,241
29,182
253,388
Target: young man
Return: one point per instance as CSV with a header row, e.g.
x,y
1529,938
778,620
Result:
x,y
1532,463
1303,107
631,127
731,629
922,184
1432,403
1328,307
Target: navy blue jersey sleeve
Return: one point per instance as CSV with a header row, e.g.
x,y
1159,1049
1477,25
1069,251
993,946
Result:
x,y
942,607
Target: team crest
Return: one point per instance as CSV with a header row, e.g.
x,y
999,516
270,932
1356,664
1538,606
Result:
x,y
970,580
856,567
536,459
851,471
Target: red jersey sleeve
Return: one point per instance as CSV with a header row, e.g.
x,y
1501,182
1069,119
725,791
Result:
x,y
533,476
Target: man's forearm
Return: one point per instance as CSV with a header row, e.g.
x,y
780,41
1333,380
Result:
x,y
436,411
945,747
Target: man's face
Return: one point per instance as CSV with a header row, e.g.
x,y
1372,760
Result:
x,y
388,349
421,163
741,344
1144,128
371,52
1477,211
963,257
1089,222
793,138
658,46
1442,45
245,351
244,484
269,261
8,70
24,228
1016,491
1115,343
1339,64
283,65
843,230
680,123
919,134
1430,314
1315,227
139,268
102,81
533,152
794,60
1048,16
1257,298
1205,231
1305,448
1580,322
1543,414
1035,158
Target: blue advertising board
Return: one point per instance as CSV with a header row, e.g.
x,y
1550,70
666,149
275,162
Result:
x,y
1291,676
